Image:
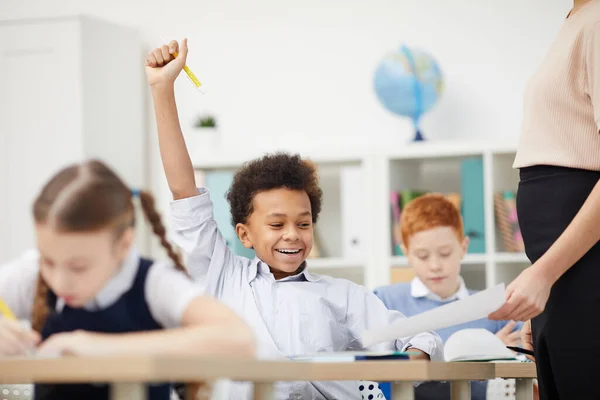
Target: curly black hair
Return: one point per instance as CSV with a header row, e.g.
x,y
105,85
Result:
x,y
273,171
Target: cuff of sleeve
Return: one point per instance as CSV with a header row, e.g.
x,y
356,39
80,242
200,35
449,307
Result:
x,y
427,343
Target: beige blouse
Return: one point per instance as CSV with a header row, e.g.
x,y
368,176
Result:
x,y
561,110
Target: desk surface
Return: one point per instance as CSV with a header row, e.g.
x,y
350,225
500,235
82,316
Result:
x,y
184,368
515,370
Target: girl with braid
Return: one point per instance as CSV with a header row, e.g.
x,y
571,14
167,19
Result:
x,y
88,292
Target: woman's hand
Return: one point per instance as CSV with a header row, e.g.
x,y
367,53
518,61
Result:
x,y
526,296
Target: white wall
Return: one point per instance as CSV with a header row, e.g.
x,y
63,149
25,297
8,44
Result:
x,y
300,73
278,70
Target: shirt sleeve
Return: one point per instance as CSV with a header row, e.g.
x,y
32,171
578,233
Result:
x,y
592,69
168,293
18,281
366,311
195,231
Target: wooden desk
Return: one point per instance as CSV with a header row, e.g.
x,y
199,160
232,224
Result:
x,y
523,373
128,375
525,370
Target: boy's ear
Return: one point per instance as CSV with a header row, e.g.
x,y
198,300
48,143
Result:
x,y
243,233
404,249
465,244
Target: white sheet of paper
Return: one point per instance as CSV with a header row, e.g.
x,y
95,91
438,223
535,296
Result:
x,y
474,307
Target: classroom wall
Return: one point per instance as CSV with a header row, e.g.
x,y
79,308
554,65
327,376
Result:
x,y
282,73
278,70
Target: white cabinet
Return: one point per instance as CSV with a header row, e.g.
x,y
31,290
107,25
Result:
x,y
70,89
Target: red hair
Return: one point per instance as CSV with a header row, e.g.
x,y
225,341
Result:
x,y
431,210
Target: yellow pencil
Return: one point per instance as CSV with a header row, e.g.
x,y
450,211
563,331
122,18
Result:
x,y
6,311
190,74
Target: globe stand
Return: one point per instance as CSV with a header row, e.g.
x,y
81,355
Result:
x,y
418,136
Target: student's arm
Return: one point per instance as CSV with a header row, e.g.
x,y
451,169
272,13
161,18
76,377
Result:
x,y
195,324
207,328
527,295
366,311
162,70
18,279
195,230
209,260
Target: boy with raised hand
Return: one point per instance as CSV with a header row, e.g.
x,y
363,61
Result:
x,y
275,202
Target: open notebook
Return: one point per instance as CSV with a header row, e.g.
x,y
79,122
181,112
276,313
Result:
x,y
476,345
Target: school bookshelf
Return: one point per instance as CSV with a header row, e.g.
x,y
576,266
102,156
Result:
x,y
354,233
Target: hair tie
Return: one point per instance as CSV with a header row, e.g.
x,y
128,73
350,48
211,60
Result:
x,y
135,192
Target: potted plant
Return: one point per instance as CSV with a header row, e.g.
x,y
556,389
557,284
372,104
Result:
x,y
203,137
207,121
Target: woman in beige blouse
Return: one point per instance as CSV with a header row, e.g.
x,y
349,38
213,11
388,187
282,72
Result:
x,y
558,205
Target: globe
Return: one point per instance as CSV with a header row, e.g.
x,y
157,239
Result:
x,y
408,83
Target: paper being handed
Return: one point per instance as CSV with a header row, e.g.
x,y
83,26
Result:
x,y
474,307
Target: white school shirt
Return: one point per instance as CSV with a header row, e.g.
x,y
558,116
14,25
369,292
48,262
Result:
x,y
168,291
297,315
419,289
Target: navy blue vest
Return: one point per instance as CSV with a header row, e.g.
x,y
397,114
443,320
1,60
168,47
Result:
x,y
129,313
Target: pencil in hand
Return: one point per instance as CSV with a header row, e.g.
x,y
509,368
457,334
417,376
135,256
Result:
x,y
6,311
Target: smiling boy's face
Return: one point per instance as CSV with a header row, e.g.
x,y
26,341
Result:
x,y
280,229
435,255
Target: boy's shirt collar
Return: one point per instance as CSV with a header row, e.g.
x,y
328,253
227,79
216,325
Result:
x,y
258,267
418,289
